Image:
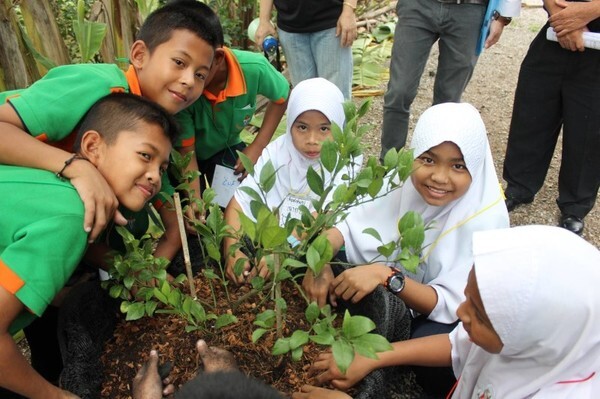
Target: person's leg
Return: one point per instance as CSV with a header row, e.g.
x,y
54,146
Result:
x,y
460,28
416,31
435,381
298,55
333,61
536,120
579,178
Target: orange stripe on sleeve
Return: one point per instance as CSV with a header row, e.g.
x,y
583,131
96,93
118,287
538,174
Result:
x,y
9,280
188,142
42,137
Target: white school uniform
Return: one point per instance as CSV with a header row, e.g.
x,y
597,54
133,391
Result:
x,y
291,187
539,288
447,256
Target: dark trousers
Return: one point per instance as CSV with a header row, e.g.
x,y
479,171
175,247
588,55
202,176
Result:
x,y
435,381
557,89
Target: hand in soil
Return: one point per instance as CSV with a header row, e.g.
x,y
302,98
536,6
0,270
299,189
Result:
x,y
311,392
317,288
215,359
147,383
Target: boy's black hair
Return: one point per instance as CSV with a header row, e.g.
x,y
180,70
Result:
x,y
117,112
190,15
226,385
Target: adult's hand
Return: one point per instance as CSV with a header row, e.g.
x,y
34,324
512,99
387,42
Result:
x,y
265,28
346,28
147,383
572,41
496,29
573,17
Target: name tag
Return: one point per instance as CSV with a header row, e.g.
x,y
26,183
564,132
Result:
x,y
290,209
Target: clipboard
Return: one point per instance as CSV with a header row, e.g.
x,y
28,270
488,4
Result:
x,y
485,27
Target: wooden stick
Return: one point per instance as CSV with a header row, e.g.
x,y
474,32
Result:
x,y
184,245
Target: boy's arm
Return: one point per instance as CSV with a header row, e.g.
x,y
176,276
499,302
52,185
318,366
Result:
x,y
431,351
265,27
273,115
16,374
19,148
170,242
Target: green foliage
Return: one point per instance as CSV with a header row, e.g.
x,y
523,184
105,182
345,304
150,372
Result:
x,y
369,53
89,35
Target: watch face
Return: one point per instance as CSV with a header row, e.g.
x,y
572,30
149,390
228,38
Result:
x,y
396,283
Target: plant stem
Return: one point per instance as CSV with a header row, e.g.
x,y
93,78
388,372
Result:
x,y
184,245
249,295
278,314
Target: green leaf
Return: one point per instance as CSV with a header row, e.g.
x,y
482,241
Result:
x,y
124,306
251,193
343,353
267,176
376,342
257,334
257,283
239,266
225,320
292,263
265,319
89,35
297,354
312,312
329,155
314,181
197,311
187,305
283,275
281,304
150,307
387,250
372,232
324,338
135,311
115,291
355,326
175,298
281,346
272,236
248,165
299,338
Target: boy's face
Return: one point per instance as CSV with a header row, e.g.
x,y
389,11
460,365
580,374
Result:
x,y
133,164
173,74
309,130
475,320
440,174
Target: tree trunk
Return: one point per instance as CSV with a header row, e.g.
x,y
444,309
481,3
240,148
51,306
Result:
x,y
17,66
42,29
120,16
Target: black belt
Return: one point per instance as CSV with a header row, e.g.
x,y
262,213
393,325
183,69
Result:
x,y
483,2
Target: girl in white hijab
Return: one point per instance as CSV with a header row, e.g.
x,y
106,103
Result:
x,y
454,186
529,325
314,105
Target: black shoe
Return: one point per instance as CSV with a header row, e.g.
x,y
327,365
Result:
x,y
513,202
572,223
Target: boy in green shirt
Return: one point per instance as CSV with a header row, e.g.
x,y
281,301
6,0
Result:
x,y
127,139
170,61
212,125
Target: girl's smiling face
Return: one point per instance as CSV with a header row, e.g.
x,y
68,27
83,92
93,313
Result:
x,y
308,131
440,174
475,321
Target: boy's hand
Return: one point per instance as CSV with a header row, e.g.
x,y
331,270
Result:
x,y
355,283
312,392
317,288
147,383
328,372
98,197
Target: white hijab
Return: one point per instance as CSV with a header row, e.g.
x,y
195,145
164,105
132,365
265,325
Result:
x,y
539,288
447,256
312,94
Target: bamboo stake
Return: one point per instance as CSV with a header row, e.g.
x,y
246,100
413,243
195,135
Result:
x,y
184,245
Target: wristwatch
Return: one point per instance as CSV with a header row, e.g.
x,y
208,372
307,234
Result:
x,y
395,281
504,20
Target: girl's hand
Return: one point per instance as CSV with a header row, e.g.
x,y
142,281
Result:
x,y
230,265
328,372
355,283
317,288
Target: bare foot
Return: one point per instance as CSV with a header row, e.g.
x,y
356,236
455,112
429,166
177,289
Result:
x,y
215,359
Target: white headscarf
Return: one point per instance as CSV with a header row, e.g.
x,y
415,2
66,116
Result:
x,y
447,257
312,94
539,288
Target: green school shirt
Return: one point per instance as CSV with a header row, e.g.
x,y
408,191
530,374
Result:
x,y
41,241
213,126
